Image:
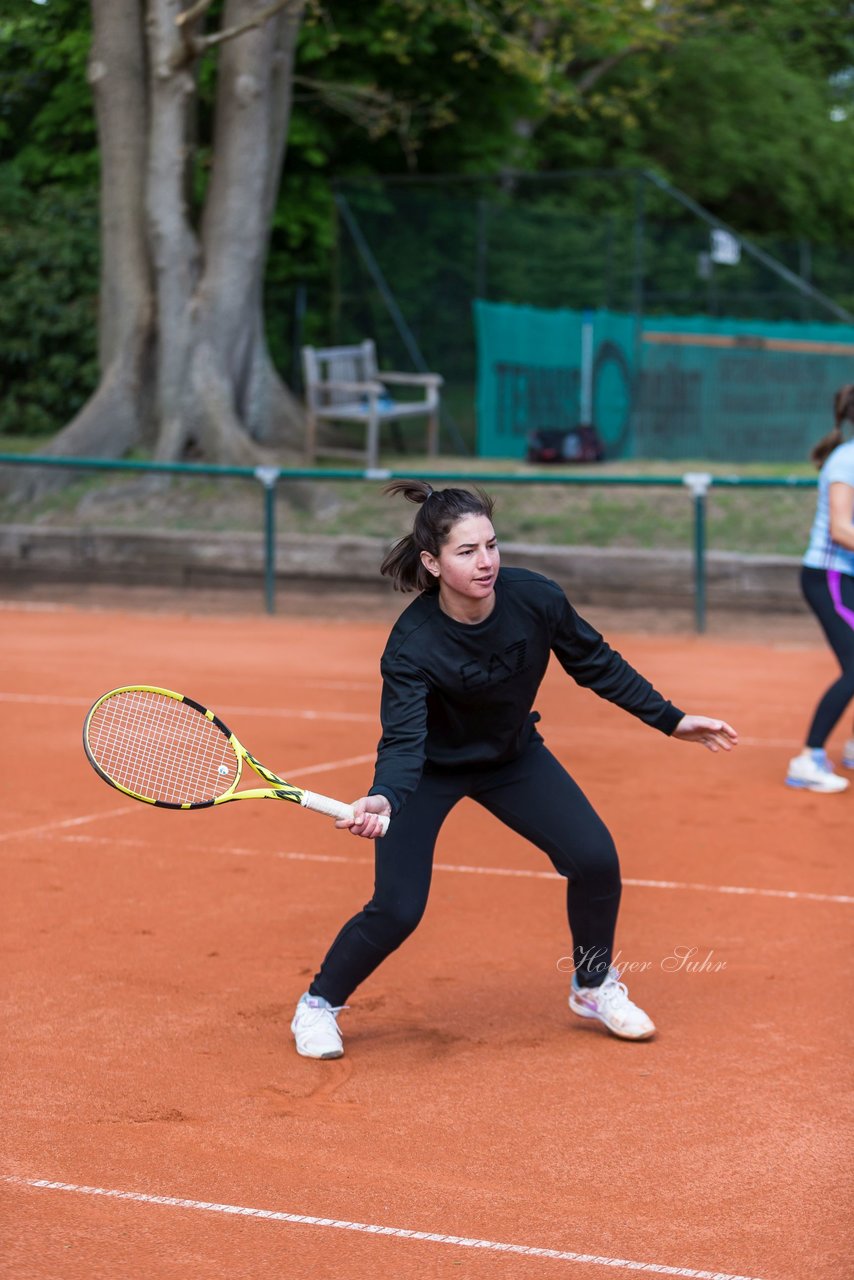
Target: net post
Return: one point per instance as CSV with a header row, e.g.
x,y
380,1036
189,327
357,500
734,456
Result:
x,y
699,483
269,478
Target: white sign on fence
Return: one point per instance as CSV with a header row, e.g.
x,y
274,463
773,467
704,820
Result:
x,y
725,248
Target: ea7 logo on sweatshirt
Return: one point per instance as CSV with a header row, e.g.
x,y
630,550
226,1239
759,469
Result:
x,y
498,667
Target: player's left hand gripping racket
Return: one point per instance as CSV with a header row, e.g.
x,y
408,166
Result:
x,y
165,749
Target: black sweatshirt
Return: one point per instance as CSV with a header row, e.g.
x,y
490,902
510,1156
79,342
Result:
x,y
458,695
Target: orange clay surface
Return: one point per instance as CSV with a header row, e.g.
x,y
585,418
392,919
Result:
x,y
152,959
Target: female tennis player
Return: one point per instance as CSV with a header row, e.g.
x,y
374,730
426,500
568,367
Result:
x,y
461,670
827,581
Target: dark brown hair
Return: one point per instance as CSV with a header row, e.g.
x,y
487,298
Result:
x,y
439,510
843,409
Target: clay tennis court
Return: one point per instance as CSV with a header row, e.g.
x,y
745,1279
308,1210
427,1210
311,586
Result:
x,y
158,1122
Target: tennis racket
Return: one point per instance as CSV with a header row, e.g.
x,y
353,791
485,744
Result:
x,y
167,750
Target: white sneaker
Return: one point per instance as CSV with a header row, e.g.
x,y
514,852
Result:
x,y
848,754
812,771
610,1003
315,1028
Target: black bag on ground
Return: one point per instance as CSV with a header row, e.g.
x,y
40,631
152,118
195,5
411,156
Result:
x,y
580,444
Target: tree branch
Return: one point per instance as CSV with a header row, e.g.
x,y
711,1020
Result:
x,y
230,33
195,11
379,112
587,81
370,108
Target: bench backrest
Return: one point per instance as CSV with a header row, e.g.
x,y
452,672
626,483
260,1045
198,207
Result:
x,y
322,365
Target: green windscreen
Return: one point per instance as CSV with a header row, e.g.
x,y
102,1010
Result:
x,y
670,387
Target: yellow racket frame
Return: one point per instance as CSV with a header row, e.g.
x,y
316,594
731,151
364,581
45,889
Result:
x,y
278,788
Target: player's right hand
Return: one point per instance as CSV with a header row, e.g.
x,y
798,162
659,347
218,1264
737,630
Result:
x,y
366,812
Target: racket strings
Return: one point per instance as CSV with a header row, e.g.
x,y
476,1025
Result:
x,y
161,748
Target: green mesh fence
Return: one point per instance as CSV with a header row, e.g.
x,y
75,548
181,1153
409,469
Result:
x,y
621,245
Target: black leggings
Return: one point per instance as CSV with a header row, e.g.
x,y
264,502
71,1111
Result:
x,y
831,598
534,796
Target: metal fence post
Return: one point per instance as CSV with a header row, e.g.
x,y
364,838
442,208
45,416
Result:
x,y
269,477
699,482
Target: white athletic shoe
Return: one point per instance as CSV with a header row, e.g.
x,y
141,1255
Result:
x,y
315,1028
848,754
812,771
610,1004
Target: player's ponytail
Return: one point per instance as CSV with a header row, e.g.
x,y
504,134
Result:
x,y
439,510
843,408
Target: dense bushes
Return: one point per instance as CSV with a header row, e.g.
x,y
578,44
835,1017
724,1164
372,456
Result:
x,y
48,312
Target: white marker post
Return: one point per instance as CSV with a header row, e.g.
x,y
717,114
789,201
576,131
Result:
x,y
586,397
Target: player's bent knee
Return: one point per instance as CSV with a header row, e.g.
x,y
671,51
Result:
x,y
395,923
597,860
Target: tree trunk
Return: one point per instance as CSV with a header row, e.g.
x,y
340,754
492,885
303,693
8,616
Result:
x,y
183,354
234,400
115,417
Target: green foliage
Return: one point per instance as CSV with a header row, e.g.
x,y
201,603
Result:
x,y
47,127
751,112
442,85
748,105
48,318
434,86
759,145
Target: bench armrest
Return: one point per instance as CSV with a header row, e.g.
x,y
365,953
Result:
x,y
412,379
365,388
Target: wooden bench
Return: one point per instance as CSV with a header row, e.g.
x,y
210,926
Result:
x,y
343,384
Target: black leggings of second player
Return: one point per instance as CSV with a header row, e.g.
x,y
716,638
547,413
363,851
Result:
x,y
534,796
837,622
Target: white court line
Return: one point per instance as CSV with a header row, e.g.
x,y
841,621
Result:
x,y
46,699
279,713
357,686
330,766
460,869
368,1228
637,884
65,822
800,895
33,606
556,736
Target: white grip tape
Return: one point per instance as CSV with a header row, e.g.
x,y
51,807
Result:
x,y
333,808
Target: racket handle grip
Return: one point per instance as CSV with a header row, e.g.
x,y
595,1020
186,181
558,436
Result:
x,y
334,808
